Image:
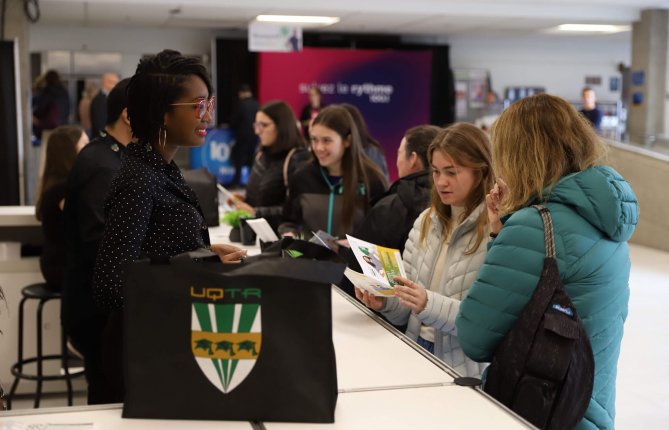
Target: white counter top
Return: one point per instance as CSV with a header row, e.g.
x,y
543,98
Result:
x,y
18,216
108,417
452,408
369,357
221,234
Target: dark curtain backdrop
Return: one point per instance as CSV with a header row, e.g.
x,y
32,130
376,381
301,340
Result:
x,y
442,106
236,65
9,162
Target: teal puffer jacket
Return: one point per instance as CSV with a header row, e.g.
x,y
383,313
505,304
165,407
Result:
x,y
594,213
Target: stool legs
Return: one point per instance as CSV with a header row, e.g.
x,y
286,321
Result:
x,y
39,359
40,370
65,365
20,362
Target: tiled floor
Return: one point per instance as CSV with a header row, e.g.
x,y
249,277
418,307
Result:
x,y
643,369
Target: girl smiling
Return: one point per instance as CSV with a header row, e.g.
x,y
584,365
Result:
x,y
334,191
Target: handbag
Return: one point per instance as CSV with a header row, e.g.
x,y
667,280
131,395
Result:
x,y
251,342
544,367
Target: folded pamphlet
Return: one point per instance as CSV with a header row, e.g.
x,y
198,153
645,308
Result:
x,y
379,266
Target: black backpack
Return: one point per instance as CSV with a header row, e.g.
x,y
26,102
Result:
x,y
544,368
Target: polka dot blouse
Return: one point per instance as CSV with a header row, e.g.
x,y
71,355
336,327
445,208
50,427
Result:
x,y
150,211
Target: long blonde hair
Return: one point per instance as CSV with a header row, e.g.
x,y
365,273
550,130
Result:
x,y
537,141
467,146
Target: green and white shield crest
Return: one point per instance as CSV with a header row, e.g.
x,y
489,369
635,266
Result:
x,y
226,341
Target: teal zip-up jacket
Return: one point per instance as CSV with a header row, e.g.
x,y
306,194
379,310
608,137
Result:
x,y
594,214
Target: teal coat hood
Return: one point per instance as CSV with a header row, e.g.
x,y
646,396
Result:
x,y
602,197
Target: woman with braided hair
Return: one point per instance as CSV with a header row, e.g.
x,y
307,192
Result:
x,y
150,210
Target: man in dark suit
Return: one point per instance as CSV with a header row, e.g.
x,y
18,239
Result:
x,y
99,104
87,187
245,137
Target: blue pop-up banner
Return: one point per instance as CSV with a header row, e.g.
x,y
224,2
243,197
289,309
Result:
x,y
214,154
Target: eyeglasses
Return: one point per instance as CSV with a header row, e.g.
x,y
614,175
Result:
x,y
261,125
203,106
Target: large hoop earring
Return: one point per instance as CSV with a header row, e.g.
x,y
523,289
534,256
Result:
x,y
162,132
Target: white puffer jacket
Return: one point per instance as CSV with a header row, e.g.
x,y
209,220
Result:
x,y
457,278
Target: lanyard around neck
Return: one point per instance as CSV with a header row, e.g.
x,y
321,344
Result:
x,y
331,200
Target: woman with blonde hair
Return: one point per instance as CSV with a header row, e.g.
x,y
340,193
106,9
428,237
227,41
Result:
x,y
547,153
446,247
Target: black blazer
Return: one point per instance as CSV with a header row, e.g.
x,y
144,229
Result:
x,y
98,114
88,185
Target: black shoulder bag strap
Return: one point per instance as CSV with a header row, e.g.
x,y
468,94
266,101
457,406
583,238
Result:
x,y
543,369
508,363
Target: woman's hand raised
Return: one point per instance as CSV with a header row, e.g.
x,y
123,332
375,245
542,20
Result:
x,y
493,201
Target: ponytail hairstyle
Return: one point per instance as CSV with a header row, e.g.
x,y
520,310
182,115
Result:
x,y
419,139
467,146
357,168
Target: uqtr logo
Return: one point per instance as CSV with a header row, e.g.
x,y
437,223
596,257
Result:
x,y
226,338
216,293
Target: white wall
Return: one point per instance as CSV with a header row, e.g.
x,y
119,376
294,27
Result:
x,y
132,43
559,63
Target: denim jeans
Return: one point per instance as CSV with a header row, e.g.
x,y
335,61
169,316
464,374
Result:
x,y
429,346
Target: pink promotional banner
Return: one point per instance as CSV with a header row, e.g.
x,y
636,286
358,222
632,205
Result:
x,y
391,88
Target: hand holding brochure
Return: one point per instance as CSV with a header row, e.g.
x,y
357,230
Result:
x,y
379,266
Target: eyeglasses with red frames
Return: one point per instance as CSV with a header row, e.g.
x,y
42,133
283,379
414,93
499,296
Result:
x,y
203,106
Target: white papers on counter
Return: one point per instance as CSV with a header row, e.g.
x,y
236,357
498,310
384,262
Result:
x,y
262,229
15,425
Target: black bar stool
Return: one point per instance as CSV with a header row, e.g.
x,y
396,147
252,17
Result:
x,y
41,293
